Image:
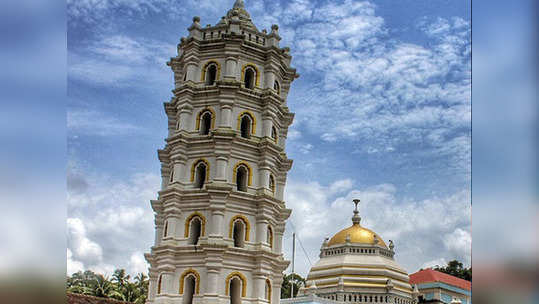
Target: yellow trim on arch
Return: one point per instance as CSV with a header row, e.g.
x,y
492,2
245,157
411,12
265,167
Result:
x,y
249,172
243,281
199,116
253,120
188,223
257,72
245,222
203,75
193,168
268,284
184,275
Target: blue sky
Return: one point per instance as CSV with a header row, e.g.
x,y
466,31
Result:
x,y
382,113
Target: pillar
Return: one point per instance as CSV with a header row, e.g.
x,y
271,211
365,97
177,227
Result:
x,y
226,115
230,68
269,79
220,172
192,71
185,118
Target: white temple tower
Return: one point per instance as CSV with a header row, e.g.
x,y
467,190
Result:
x,y
220,215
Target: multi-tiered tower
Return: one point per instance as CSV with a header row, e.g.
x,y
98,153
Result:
x,y
220,215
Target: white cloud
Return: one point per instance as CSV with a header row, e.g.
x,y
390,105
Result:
x,y
88,122
82,247
341,185
459,242
306,148
441,262
120,60
293,134
381,91
73,265
111,221
137,263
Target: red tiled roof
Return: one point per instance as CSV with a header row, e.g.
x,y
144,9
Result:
x,y
430,275
75,298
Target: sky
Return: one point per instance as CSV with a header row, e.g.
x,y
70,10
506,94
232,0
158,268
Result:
x,y
382,113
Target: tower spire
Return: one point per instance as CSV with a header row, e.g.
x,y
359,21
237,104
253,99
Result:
x,y
356,219
239,4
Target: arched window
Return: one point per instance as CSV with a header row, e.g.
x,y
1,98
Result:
x,y
272,183
236,287
189,285
269,236
246,124
159,281
200,175
200,172
249,78
195,230
277,87
189,291
165,229
239,230
239,233
242,175
245,128
195,225
211,74
185,76
274,135
205,123
235,291
171,175
178,124
268,290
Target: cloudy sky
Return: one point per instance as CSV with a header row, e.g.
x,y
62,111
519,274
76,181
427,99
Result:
x,y
382,114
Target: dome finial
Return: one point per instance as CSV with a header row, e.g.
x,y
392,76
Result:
x,y
356,219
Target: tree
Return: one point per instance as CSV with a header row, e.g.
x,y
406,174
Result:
x,y
119,287
288,281
120,277
455,268
102,287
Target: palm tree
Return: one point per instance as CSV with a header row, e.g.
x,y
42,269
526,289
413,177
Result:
x,y
120,277
102,287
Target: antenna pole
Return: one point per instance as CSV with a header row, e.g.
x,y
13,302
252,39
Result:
x,y
293,258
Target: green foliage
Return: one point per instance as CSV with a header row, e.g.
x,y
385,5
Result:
x,y
119,287
288,281
455,268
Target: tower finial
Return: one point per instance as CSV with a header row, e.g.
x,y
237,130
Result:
x,y
356,219
239,4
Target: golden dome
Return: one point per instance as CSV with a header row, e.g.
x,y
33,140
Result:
x,y
357,234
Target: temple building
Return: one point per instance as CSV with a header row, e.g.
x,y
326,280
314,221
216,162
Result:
x,y
220,214
357,266
437,287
